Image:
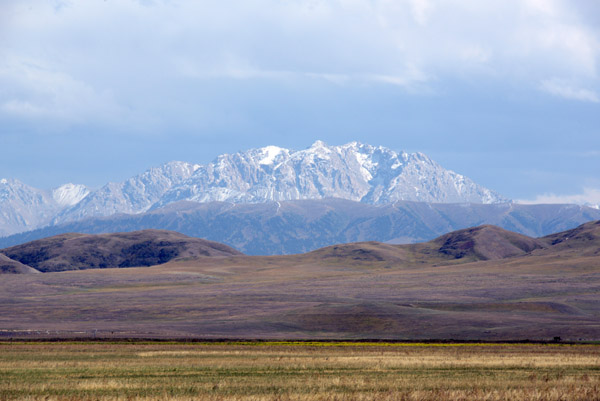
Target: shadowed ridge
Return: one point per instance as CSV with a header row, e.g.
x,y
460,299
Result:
x,y
9,266
486,242
130,249
584,239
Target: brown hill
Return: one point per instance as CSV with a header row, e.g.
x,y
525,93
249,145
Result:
x,y
472,244
583,240
87,251
485,242
9,266
360,253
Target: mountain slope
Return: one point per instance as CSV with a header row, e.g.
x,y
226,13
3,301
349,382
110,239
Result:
x,y
583,240
134,195
84,251
23,207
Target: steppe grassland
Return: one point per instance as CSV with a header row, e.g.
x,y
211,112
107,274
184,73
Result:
x,y
297,371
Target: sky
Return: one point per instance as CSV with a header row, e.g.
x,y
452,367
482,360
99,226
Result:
x,y
505,92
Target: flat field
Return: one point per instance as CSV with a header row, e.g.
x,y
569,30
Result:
x,y
291,371
294,297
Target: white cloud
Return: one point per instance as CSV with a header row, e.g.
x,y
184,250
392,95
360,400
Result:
x,y
564,89
34,90
589,197
421,9
117,55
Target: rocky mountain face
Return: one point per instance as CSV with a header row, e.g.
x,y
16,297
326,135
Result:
x,y
287,227
24,208
135,195
357,172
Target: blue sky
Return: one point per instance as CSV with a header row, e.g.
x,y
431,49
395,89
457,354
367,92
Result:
x,y
505,92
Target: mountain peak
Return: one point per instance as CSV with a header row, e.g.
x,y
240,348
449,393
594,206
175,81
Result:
x,y
70,194
270,154
318,144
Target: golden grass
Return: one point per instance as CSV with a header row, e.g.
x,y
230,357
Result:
x,y
297,371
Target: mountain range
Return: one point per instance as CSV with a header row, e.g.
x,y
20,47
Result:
x,y
355,171
289,227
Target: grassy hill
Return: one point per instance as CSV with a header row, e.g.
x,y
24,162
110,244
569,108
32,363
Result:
x,y
86,251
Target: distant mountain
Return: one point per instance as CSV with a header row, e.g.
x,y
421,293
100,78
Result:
x,y
299,226
24,208
374,175
357,172
85,251
134,195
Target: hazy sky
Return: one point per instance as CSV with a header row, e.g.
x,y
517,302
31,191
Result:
x,y
506,92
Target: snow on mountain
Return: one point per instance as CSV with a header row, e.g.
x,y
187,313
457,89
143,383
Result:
x,y
23,207
69,194
353,171
134,195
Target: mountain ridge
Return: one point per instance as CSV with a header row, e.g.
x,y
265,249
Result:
x,y
354,171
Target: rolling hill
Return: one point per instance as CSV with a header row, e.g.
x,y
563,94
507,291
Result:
x,y
86,251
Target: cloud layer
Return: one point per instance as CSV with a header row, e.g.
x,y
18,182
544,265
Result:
x,y
589,197
107,88
92,59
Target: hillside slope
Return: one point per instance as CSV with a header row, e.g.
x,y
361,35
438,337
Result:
x,y
10,266
583,240
85,251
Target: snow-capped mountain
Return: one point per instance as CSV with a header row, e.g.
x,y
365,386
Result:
x,y
69,194
355,171
24,208
134,195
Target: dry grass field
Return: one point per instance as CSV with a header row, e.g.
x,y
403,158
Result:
x,y
288,371
294,297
